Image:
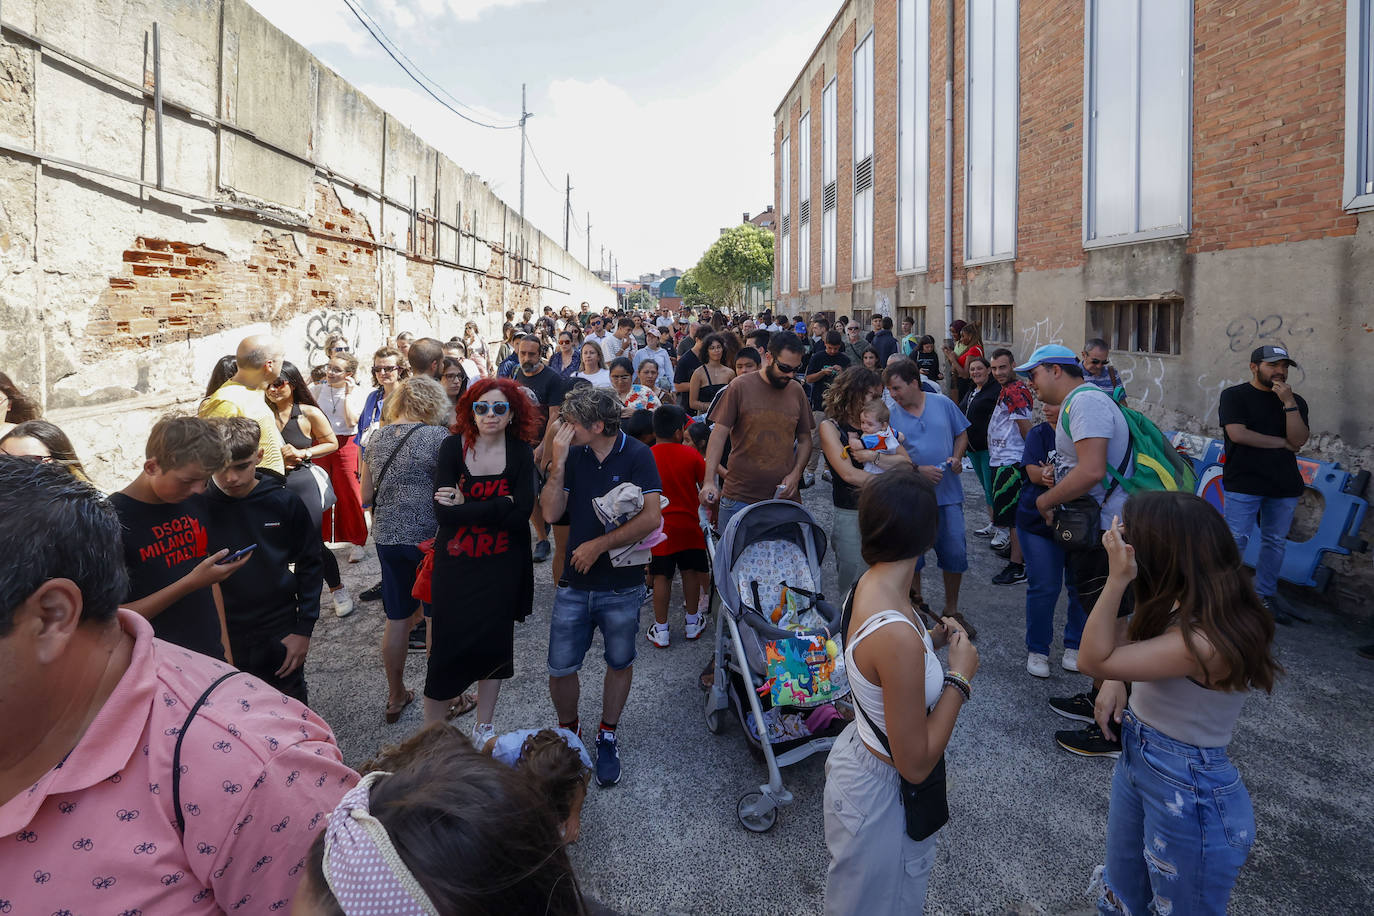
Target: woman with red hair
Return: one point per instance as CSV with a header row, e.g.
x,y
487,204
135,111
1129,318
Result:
x,y
483,563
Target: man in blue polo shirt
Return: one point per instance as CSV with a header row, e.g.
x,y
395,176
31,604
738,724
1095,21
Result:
x,y
591,457
934,435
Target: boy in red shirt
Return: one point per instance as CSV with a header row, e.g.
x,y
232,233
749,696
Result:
x,y
682,470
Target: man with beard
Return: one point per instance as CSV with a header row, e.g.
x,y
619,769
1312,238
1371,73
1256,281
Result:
x,y
767,420
545,389
1265,424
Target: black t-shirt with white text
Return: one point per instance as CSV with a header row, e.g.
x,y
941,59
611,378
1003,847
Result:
x,y
1259,471
162,543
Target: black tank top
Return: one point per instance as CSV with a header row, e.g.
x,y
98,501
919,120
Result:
x,y
292,434
845,495
709,391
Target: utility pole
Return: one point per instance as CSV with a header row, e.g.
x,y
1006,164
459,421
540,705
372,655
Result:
x,y
524,116
589,240
567,212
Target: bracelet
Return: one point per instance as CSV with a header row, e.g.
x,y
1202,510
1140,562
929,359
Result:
x,y
960,685
1289,409
958,677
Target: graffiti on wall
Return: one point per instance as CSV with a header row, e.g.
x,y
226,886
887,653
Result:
x,y
1045,331
325,324
882,305
1250,331
1143,376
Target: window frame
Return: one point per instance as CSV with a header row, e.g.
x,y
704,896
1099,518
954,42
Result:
x,y
1111,333
861,256
829,163
995,257
1091,242
1359,106
803,134
919,192
785,217
980,312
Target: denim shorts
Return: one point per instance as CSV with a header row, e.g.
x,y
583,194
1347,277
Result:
x,y
576,613
951,546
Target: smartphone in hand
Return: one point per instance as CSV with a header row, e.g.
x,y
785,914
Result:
x,y
236,555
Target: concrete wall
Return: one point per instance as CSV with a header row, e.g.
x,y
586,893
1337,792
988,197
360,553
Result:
x,y
1270,255
116,300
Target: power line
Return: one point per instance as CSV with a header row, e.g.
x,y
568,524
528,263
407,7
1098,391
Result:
x,y
547,179
380,37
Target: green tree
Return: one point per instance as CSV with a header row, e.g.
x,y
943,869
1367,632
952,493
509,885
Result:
x,y
690,290
740,257
640,299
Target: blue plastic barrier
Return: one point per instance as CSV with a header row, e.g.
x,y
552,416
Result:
x,y
1338,531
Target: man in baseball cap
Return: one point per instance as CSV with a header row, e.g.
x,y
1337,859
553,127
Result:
x,y
1265,424
1049,355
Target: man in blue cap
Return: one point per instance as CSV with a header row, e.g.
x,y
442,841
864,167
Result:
x,y
1265,424
1091,435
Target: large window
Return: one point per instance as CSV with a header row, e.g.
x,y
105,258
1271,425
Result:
x,y
990,131
1148,326
995,321
863,159
1359,104
828,198
913,133
1139,116
804,201
785,227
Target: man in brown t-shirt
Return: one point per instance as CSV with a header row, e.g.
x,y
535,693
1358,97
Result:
x,y
767,420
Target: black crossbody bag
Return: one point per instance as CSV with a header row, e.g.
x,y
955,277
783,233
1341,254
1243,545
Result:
x,y
925,803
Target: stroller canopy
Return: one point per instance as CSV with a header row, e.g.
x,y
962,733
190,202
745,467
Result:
x,y
771,520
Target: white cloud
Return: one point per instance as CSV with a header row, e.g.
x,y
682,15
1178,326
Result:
x,y
317,24
469,10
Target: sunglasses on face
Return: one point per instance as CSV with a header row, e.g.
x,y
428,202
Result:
x,y
455,377
786,369
381,370
340,349
497,408
278,383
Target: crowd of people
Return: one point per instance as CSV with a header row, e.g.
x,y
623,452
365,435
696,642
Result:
x,y
603,442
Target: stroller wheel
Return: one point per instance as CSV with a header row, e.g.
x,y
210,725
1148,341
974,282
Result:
x,y
757,813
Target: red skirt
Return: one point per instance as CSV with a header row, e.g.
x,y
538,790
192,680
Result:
x,y
344,522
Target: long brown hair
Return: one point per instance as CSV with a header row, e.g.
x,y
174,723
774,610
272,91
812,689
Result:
x,y
849,392
1189,575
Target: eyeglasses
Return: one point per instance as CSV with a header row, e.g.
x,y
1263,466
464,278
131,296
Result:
x,y
278,383
455,377
340,349
383,370
333,370
498,408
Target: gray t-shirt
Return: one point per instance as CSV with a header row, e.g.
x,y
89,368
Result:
x,y
404,505
1092,414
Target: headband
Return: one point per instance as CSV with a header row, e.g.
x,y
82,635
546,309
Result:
x,y
362,868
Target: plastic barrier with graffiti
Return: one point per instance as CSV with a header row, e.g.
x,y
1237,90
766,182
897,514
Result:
x,y
1342,491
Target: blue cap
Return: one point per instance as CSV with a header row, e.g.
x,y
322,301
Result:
x,y
1049,354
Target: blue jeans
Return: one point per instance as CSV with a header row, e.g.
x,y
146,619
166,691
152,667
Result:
x,y
951,546
1045,575
576,613
1179,829
1275,517
729,508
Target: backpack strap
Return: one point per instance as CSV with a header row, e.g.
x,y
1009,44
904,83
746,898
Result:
x,y
176,753
1115,475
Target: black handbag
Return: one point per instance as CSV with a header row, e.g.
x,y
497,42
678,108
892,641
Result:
x,y
925,803
1078,524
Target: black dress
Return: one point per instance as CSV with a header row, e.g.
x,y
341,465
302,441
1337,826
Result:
x,y
300,480
483,569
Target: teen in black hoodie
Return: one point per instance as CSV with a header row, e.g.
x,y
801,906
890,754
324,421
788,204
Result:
x,y
271,610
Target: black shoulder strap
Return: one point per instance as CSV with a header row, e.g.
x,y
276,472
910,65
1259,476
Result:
x,y
377,486
176,753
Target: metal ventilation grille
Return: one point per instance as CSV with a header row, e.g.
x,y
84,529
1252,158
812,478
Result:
x,y
804,211
828,197
863,175
786,223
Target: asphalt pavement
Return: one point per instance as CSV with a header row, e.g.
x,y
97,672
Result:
x,y
1027,820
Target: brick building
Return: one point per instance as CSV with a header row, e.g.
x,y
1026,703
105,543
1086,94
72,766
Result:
x,y
1185,180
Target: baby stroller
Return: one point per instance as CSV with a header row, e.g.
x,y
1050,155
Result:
x,y
766,568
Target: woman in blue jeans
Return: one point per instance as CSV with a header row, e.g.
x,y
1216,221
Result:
x,y
1045,564
1180,825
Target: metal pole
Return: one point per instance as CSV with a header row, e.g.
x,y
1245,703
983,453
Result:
x,y
949,164
157,99
524,116
589,240
567,212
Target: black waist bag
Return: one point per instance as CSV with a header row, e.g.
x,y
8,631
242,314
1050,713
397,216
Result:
x,y
1078,524
925,803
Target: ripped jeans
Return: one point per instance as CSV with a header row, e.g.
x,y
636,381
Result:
x,y
1179,830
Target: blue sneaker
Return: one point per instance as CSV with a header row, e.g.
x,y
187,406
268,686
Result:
x,y
607,759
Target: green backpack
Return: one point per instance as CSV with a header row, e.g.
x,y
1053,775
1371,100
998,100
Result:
x,y
1158,466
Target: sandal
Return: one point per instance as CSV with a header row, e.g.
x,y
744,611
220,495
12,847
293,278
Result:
x,y
465,704
393,713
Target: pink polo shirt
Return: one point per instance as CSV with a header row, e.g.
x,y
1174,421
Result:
x,y
97,833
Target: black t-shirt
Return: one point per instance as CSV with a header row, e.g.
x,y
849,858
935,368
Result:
x,y
978,408
687,343
687,363
546,389
818,362
162,543
1259,471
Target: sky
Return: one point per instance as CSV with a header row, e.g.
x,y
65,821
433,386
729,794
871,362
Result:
x,y
661,112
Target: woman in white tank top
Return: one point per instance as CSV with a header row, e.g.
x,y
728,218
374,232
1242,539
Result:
x,y
875,867
1181,825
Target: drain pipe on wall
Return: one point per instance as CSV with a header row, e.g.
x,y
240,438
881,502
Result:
x,y
949,164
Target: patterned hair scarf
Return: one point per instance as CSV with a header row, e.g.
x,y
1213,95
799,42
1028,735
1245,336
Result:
x,y
362,868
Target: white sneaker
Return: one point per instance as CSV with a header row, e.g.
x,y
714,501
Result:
x,y
808,480
356,554
1038,665
986,531
825,474
1070,660
658,635
696,625
343,601
482,732
1001,537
